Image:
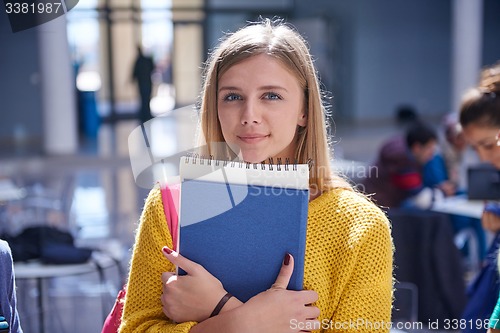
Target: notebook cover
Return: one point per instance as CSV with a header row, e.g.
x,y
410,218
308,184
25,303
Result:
x,y
241,232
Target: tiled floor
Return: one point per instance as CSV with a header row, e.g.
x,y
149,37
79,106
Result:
x,y
93,193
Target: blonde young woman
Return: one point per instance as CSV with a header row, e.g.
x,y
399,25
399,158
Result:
x,y
262,96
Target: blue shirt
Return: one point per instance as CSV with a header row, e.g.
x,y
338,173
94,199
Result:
x,y
8,300
434,172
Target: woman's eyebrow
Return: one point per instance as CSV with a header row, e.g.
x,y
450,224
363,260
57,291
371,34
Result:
x,y
485,140
228,88
270,87
273,87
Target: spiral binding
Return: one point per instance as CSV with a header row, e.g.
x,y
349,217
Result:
x,y
279,166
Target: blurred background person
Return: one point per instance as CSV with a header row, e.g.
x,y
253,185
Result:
x,y
143,69
480,120
453,147
8,299
446,171
400,163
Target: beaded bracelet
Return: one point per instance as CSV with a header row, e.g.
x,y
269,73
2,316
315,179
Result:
x,y
221,304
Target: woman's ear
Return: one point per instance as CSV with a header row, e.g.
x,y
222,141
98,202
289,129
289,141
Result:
x,y
302,121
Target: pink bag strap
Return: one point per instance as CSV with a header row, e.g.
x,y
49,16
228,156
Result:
x,y
170,198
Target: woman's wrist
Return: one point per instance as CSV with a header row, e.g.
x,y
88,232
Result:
x,y
233,317
227,303
231,304
221,304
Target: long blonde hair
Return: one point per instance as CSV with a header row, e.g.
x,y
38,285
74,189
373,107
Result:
x,y
285,44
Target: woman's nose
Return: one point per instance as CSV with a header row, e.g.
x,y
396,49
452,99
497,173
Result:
x,y
250,114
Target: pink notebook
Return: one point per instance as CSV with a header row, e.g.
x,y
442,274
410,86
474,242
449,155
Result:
x,y
170,197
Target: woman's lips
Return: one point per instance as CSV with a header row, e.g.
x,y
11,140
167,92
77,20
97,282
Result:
x,y
253,138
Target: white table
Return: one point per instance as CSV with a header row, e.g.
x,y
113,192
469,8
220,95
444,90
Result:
x,y
36,270
459,205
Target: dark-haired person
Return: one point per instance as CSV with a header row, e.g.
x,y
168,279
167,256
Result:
x,y
399,178
480,120
444,170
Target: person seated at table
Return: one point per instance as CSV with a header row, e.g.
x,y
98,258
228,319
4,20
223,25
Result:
x,y
399,178
443,172
453,148
8,300
480,120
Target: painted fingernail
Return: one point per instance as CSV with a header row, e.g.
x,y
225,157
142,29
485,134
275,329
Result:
x,y
287,259
166,250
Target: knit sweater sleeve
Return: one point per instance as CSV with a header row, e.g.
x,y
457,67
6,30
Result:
x,y
349,262
143,309
365,303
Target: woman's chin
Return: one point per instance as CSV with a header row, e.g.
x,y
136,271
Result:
x,y
251,157
254,160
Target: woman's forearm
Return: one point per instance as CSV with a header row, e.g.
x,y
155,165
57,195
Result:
x,y
230,320
270,311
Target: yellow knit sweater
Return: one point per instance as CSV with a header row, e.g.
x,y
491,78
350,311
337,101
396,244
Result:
x,y
348,263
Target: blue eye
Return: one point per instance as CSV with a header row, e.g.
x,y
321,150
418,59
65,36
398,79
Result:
x,y
272,96
231,97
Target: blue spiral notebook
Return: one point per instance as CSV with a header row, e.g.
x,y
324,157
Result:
x,y
239,220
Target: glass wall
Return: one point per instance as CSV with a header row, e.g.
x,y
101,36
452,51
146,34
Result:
x,y
104,37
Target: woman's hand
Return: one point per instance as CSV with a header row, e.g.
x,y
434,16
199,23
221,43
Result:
x,y
490,222
274,310
281,310
191,297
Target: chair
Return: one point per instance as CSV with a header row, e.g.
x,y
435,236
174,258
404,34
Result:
x,y
426,256
405,306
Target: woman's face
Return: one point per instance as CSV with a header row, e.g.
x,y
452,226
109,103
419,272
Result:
x,y
485,141
259,105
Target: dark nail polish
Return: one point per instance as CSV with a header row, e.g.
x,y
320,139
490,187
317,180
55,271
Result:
x,y
166,250
287,259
